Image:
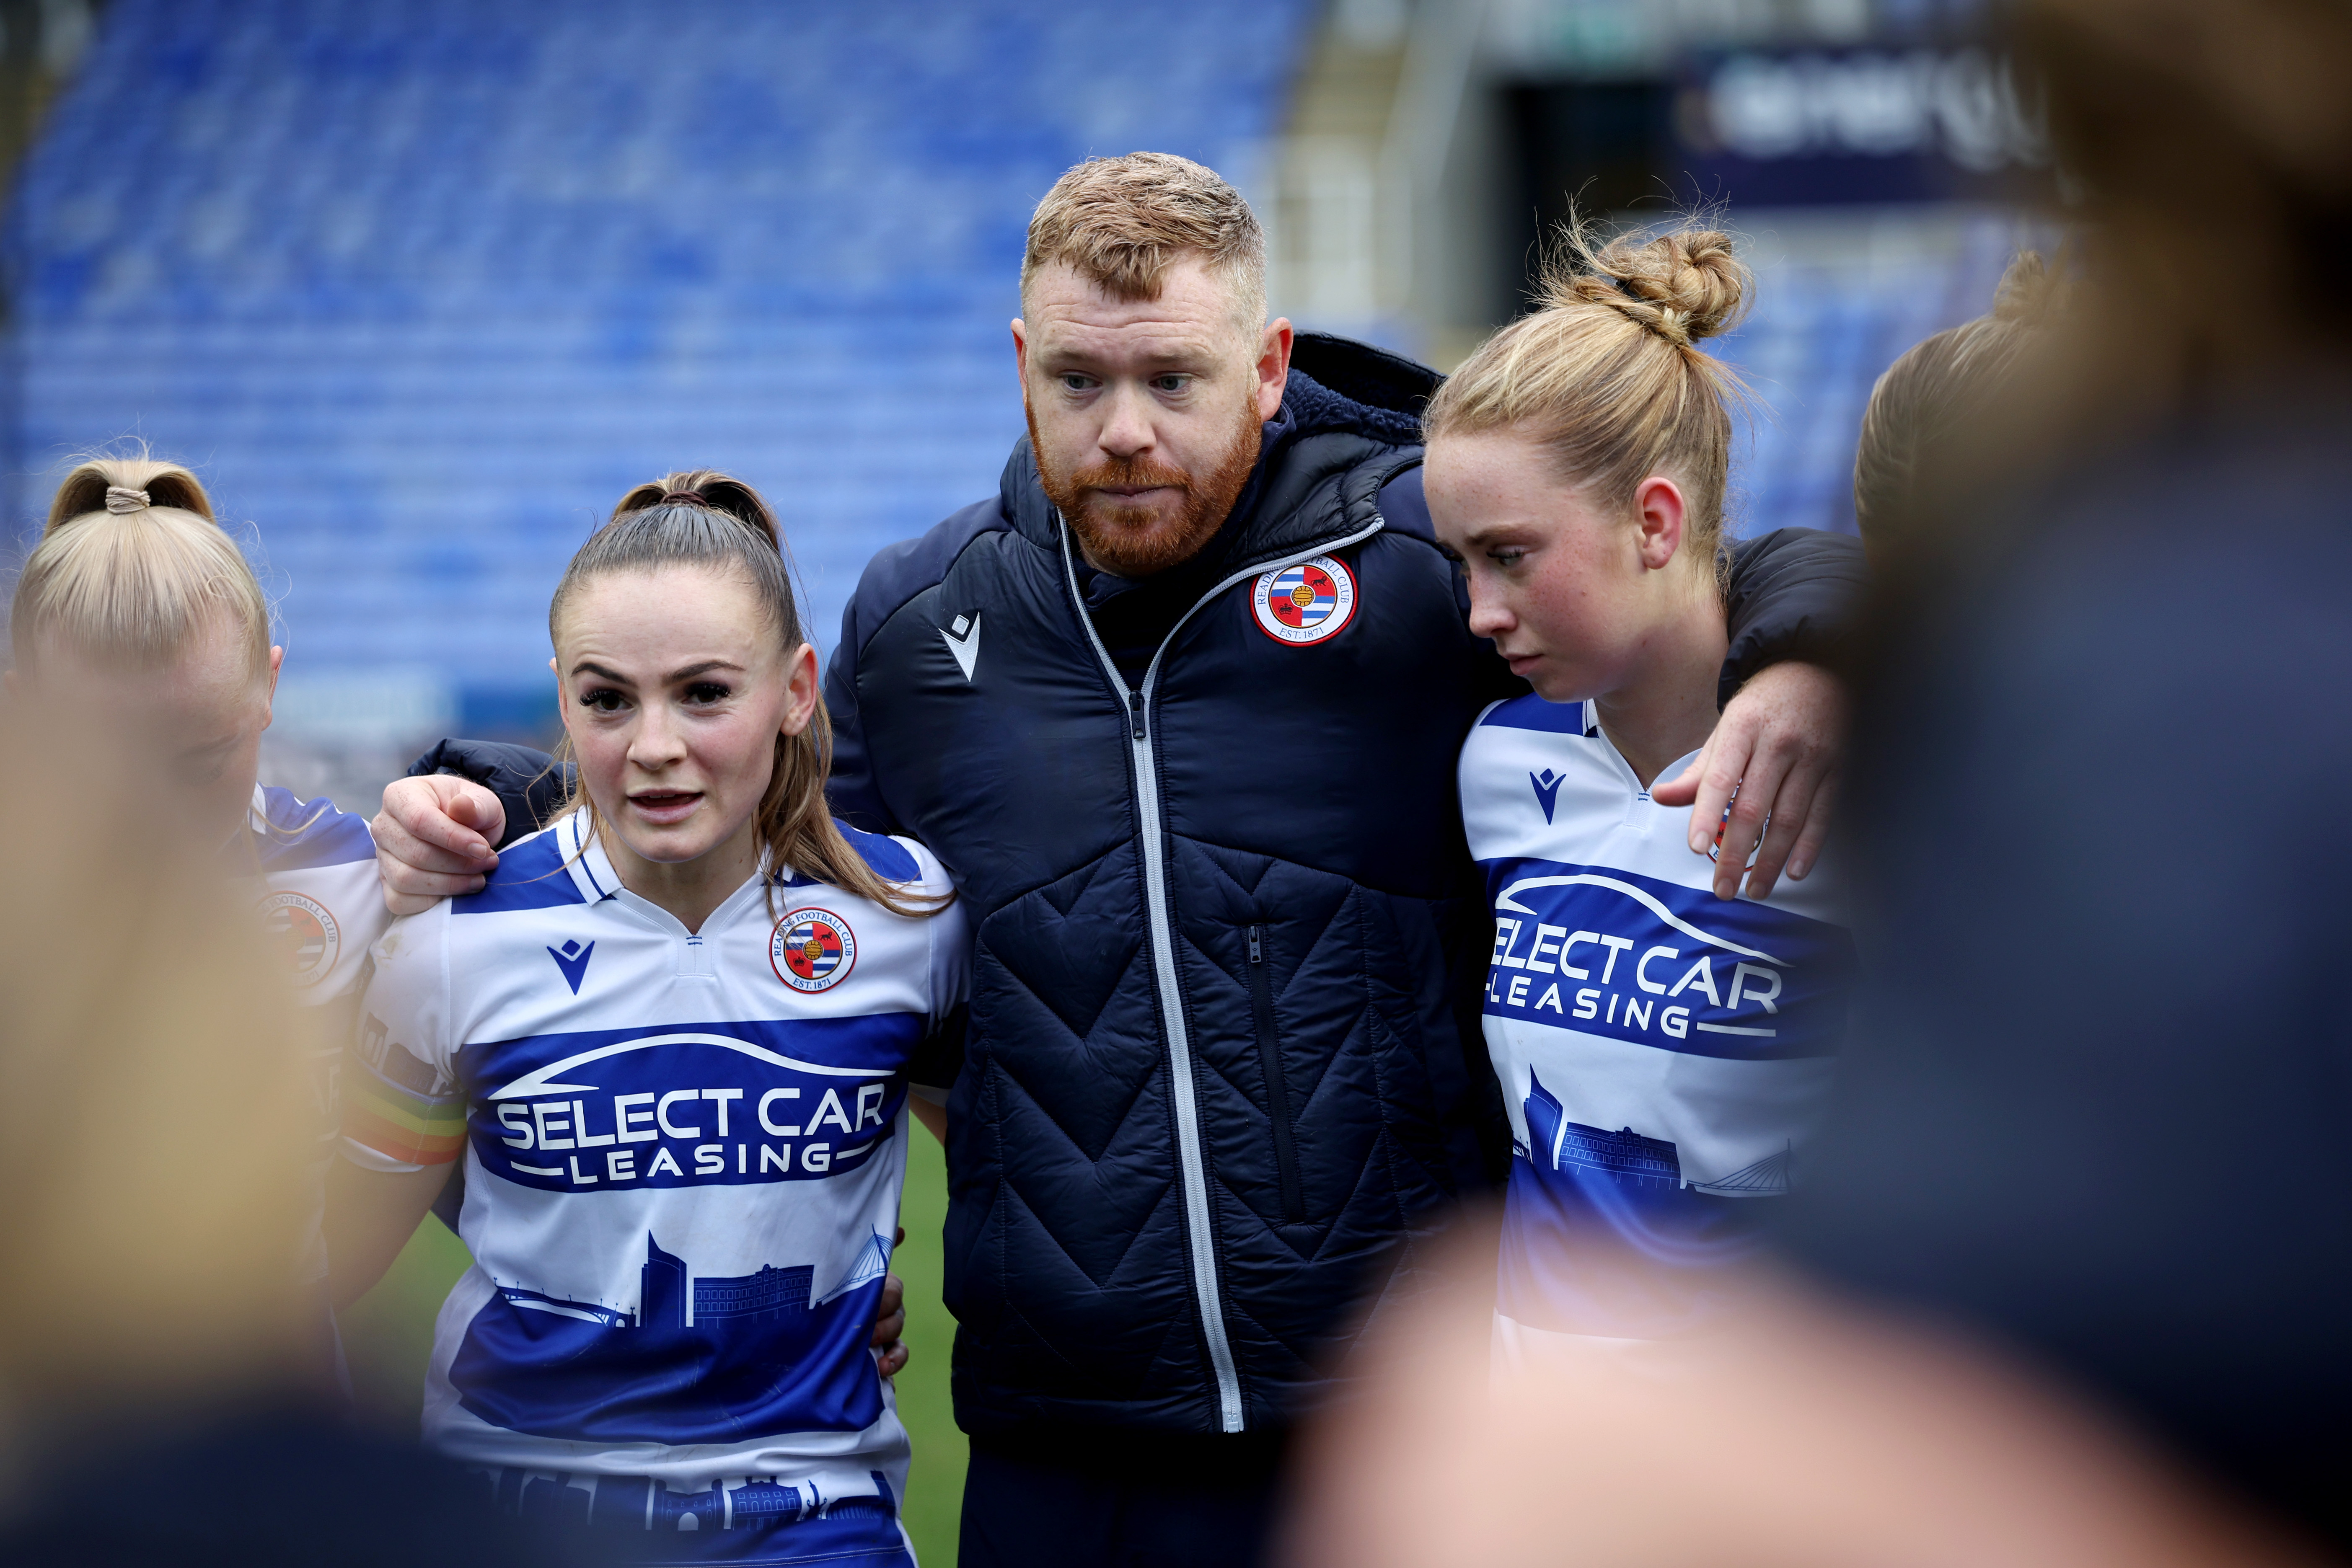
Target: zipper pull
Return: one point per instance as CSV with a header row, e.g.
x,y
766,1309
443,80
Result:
x,y
1135,706
1257,951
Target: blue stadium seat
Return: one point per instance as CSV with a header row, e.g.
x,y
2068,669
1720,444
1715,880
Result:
x,y
420,286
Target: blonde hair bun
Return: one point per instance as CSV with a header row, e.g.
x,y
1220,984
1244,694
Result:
x,y
1605,372
1685,285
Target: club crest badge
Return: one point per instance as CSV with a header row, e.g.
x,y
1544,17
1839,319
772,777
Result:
x,y
1310,602
303,932
813,949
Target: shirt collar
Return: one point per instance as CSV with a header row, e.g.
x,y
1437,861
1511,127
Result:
x,y
585,860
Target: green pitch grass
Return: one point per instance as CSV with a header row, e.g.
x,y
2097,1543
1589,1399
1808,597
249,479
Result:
x,y
388,1336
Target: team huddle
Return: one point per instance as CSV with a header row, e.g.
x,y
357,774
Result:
x,y
1154,826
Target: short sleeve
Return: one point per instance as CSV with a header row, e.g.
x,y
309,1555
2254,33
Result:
x,y
403,1108
940,1056
364,920
322,896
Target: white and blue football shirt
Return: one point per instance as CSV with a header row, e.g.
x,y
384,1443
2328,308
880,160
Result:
x,y
683,1156
322,902
311,869
1664,1054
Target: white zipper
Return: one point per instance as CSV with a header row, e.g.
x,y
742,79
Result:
x,y
1191,1172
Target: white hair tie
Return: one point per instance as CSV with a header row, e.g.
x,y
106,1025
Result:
x,y
119,500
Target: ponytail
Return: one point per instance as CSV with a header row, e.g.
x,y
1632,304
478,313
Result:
x,y
132,570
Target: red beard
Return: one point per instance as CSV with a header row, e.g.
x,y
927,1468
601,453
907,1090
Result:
x,y
1137,541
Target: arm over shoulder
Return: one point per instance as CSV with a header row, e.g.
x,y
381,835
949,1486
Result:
x,y
1795,594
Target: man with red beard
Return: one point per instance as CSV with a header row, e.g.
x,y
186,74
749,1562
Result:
x,y
1179,709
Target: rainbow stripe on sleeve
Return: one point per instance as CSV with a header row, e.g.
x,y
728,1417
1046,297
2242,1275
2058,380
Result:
x,y
401,1124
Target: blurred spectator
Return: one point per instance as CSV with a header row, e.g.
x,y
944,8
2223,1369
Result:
x,y
2094,1115
158,1396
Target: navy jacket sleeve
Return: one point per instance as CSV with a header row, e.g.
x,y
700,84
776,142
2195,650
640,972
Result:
x,y
897,574
1796,593
528,782
849,787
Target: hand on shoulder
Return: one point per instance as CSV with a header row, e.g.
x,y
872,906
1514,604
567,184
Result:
x,y
433,839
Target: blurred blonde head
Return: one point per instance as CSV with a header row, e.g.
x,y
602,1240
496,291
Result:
x,y
2211,150
137,606
1956,375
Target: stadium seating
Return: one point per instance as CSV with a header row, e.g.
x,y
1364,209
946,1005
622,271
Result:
x,y
421,286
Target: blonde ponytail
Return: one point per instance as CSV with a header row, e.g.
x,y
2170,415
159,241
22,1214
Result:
x,y
132,570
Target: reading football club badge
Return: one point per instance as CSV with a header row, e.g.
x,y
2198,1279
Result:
x,y
304,933
1310,602
813,949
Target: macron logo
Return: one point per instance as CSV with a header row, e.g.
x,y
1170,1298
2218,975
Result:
x,y
1546,784
963,641
573,959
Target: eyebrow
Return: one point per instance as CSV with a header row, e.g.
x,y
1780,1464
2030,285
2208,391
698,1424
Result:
x,y
1187,354
704,668
587,667
1487,534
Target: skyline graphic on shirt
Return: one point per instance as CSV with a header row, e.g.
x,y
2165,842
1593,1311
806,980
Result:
x,y
704,1358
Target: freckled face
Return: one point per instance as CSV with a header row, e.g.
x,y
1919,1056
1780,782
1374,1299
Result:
x,y
674,691
1555,582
